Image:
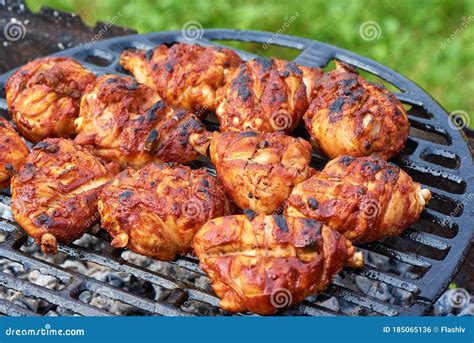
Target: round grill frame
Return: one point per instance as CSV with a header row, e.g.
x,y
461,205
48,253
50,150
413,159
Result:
x,y
448,173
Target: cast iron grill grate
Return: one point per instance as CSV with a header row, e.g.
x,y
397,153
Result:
x,y
403,275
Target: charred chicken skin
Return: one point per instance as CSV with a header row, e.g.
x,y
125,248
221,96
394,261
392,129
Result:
x,y
13,152
264,263
43,97
259,170
54,195
156,210
351,116
127,123
365,198
266,95
185,76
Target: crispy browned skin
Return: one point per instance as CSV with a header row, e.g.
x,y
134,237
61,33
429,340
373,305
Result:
x,y
186,76
259,170
127,123
156,210
266,95
54,195
351,116
13,152
261,263
364,198
44,96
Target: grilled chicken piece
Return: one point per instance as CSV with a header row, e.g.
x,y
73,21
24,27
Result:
x,y
351,116
44,96
259,170
127,123
365,198
261,263
13,152
266,95
54,195
156,210
186,76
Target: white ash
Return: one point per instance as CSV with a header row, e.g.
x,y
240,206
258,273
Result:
x,y
461,305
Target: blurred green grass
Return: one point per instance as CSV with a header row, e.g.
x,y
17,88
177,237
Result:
x,y
413,40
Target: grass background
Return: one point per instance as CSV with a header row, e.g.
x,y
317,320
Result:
x,y
413,40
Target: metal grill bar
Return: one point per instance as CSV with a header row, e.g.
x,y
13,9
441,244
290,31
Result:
x,y
408,258
441,230
389,279
8,308
363,300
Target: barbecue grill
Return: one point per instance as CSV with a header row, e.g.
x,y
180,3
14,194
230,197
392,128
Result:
x,y
414,269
